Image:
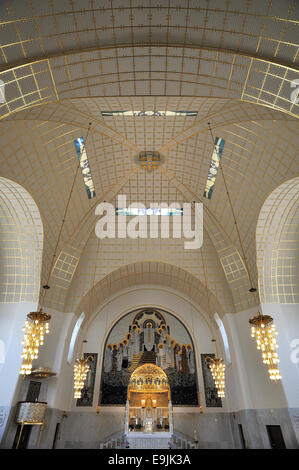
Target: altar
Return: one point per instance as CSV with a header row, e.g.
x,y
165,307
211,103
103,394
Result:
x,y
149,425
148,422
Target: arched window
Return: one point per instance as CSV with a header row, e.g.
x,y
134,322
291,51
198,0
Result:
x,y
74,337
224,337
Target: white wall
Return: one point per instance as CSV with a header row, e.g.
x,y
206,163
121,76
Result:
x,y
53,354
12,320
286,318
258,391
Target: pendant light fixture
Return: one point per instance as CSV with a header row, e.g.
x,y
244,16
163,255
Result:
x,y
81,369
216,364
262,326
36,326
217,368
81,366
37,323
264,332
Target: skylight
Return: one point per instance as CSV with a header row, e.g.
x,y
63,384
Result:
x,y
149,211
149,113
216,157
85,168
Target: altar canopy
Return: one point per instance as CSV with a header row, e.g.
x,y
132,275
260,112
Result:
x,y
148,408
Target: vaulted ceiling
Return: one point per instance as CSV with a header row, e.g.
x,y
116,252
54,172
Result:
x,y
63,62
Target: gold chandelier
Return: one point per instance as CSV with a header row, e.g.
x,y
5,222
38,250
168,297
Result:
x,y
81,368
37,323
36,326
263,328
264,331
217,368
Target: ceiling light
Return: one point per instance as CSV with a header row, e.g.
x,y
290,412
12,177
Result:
x,y
217,368
81,369
36,326
264,332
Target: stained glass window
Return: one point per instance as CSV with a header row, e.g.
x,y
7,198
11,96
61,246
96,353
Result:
x,y
134,211
216,157
149,113
85,168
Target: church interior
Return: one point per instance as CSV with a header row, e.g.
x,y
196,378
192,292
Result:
x,y
149,224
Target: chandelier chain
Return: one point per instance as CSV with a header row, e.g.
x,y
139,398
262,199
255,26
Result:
x,y
233,213
63,221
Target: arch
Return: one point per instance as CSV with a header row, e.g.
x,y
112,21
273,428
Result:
x,y
152,273
21,234
129,347
73,242
238,75
277,240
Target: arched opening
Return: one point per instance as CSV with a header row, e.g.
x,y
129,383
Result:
x,y
149,336
148,403
277,240
21,235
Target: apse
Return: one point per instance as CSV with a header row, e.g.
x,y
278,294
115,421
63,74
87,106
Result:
x,y
149,336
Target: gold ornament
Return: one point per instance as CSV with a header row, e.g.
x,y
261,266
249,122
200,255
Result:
x,y
217,368
81,369
36,326
264,332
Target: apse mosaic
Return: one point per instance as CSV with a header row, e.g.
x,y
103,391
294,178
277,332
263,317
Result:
x,y
149,337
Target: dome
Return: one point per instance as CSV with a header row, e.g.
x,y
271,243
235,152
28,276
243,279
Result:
x,y
148,377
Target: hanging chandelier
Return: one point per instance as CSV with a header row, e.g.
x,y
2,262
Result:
x,y
81,368
263,328
264,332
37,323
36,326
217,368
